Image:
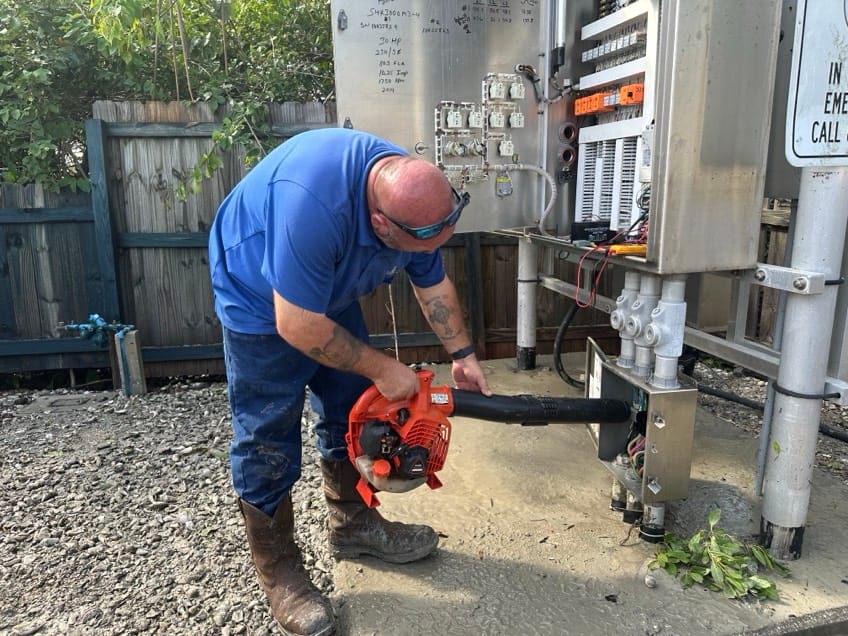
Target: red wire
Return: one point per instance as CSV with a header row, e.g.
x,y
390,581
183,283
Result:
x,y
642,238
597,277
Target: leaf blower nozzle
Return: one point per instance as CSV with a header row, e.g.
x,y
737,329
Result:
x,y
534,410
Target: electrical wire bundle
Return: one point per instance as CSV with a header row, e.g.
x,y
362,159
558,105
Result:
x,y
640,227
636,452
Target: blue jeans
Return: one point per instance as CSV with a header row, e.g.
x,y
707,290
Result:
x,y
267,380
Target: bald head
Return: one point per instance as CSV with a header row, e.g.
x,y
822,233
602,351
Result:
x,y
413,191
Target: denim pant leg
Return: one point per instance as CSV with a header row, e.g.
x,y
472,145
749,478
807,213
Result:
x,y
266,387
333,393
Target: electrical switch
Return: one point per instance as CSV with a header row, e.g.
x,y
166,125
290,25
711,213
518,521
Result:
x,y
475,119
476,147
456,149
497,90
454,119
516,90
516,120
506,148
497,119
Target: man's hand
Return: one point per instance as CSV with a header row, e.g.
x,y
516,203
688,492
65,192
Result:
x,y
397,382
468,375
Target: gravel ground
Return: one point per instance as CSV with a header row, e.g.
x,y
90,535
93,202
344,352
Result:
x,y
831,453
119,518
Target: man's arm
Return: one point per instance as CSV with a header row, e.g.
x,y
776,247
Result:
x,y
326,341
441,307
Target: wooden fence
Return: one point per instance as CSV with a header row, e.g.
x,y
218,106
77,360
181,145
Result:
x,y
134,252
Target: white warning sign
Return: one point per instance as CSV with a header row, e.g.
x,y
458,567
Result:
x,y
817,112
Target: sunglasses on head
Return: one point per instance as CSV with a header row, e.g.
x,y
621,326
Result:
x,y
429,231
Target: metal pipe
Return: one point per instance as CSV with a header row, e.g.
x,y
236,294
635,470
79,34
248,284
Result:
x,y
777,343
618,496
665,333
534,410
638,320
528,280
618,318
819,241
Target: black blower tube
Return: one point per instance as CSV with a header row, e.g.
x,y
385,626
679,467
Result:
x,y
535,410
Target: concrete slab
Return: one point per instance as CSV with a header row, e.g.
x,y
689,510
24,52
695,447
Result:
x,y
529,545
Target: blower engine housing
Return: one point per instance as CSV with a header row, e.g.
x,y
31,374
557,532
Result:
x,y
397,446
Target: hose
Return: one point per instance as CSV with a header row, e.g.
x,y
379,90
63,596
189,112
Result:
x,y
534,410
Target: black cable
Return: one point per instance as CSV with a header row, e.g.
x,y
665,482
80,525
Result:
x,y
824,429
558,340
731,397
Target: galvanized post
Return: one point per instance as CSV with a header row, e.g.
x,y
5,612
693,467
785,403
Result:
x,y
818,245
528,281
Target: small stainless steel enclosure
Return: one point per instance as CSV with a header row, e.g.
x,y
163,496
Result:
x,y
669,429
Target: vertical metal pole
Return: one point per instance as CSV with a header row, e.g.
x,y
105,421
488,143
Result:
x,y
528,280
777,343
819,240
474,275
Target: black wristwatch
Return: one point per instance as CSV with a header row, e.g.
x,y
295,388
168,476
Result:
x,y
459,354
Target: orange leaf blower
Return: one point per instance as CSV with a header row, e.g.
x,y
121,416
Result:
x,y
399,445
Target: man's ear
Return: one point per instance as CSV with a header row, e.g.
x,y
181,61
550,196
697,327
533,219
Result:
x,y
380,224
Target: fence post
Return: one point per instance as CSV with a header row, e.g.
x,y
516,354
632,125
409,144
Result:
x,y
130,363
95,137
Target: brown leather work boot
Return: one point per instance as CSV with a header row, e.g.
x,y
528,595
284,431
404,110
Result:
x,y
296,603
355,529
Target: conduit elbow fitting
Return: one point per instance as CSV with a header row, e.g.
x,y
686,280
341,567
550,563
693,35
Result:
x,y
665,333
633,326
617,320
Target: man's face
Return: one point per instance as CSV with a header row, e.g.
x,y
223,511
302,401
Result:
x,y
419,238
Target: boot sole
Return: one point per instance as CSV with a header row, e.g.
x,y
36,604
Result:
x,y
354,552
327,631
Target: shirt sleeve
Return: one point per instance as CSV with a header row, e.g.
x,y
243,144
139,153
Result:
x,y
426,270
303,244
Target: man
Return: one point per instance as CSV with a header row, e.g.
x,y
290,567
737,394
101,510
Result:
x,y
323,220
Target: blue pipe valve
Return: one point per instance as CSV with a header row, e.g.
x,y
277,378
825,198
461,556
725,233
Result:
x,y
97,329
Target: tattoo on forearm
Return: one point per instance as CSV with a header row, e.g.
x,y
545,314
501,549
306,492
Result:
x,y
342,351
440,314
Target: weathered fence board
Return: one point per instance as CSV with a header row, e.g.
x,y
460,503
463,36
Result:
x,y
48,274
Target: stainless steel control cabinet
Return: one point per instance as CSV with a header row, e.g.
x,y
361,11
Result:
x,y
440,79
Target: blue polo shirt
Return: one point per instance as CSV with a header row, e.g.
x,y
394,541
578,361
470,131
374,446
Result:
x,y
299,223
